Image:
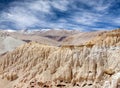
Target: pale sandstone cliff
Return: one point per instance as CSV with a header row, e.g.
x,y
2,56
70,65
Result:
x,y
96,64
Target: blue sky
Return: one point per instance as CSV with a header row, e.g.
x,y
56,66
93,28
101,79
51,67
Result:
x,y
84,15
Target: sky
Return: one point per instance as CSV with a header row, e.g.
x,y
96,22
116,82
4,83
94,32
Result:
x,y
83,15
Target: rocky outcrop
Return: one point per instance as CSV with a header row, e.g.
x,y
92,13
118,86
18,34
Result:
x,y
110,38
92,65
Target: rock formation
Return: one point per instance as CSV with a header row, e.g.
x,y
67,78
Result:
x,y
95,64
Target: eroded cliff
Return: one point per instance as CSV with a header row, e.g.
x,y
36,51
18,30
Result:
x,y
96,64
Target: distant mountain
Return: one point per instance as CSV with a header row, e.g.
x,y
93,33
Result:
x,y
49,36
56,34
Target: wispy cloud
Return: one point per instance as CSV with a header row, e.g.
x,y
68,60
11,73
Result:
x,y
71,14
60,4
99,5
86,18
30,14
39,5
21,18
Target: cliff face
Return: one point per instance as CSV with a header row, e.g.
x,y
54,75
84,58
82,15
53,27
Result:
x,y
95,64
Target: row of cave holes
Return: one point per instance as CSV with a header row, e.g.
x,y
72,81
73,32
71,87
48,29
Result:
x,y
40,84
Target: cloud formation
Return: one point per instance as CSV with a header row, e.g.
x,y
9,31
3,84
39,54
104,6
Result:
x,y
84,15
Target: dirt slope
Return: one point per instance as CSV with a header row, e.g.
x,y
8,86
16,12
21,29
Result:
x,y
80,38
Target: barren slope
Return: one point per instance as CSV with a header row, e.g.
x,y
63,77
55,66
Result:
x,y
80,38
8,43
35,37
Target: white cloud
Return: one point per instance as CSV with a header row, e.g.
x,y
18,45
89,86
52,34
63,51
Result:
x,y
20,17
116,21
86,18
32,13
45,5
98,5
60,4
40,5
